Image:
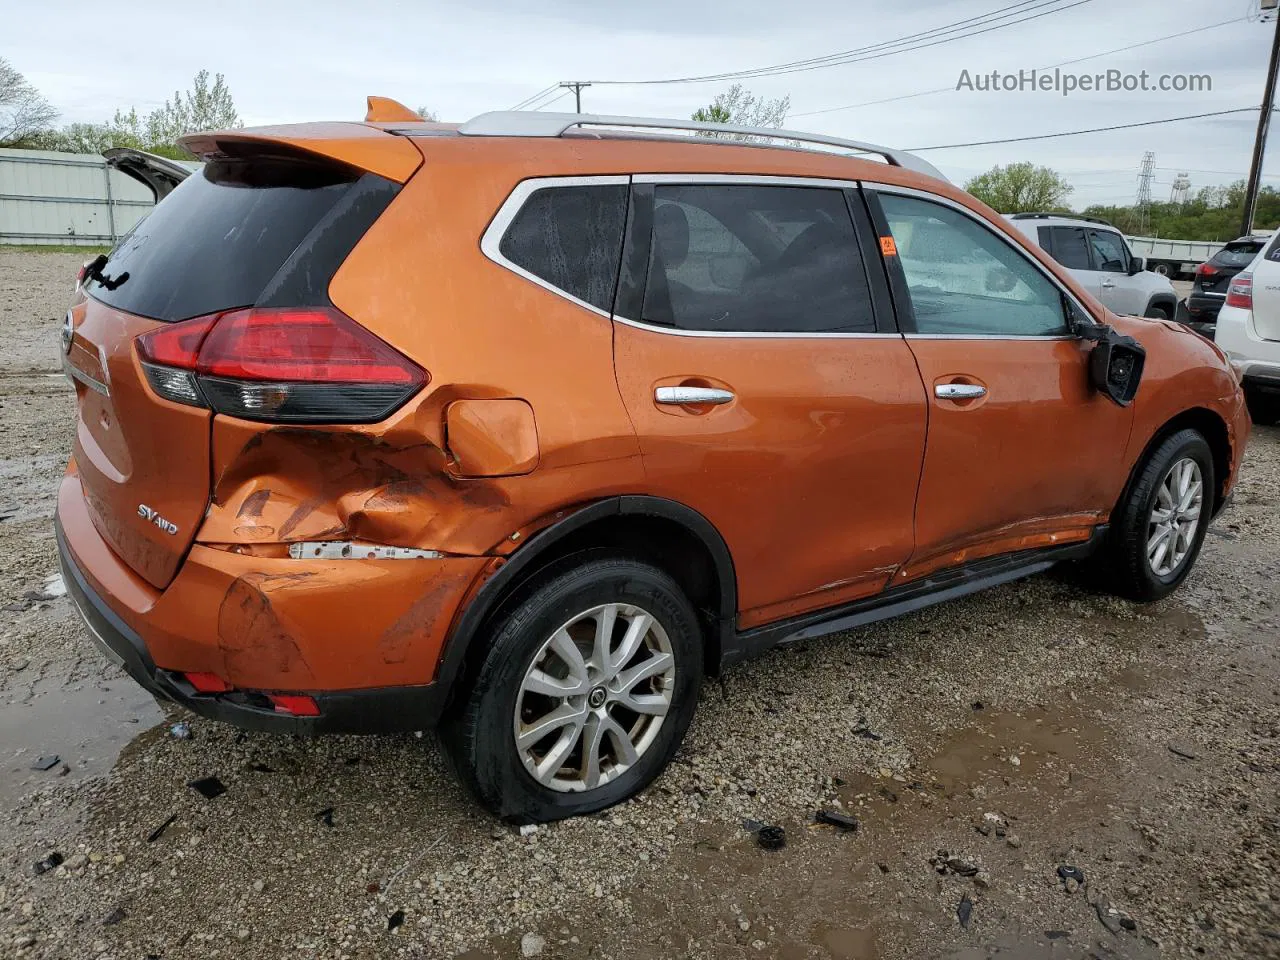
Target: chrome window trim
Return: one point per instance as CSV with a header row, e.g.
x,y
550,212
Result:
x,y
961,208
989,336
491,239
757,334
730,179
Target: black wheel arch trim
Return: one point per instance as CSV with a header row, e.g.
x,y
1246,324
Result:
x,y
1168,300
523,561
1179,421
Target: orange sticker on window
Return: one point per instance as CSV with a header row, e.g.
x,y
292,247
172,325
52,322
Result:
x,y
888,247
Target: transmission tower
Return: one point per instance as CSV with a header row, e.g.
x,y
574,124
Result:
x,y
1146,173
1181,185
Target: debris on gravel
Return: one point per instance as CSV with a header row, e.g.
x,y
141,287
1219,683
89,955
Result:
x,y
771,838
837,818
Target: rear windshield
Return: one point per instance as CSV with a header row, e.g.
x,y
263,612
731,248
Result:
x,y
216,241
1236,254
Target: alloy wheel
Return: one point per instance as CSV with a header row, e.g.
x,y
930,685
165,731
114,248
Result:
x,y
1175,517
594,697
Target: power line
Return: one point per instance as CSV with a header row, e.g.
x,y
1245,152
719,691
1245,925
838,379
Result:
x,y
554,100
1075,133
1052,66
976,26
528,100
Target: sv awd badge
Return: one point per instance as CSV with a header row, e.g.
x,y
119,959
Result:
x,y
146,513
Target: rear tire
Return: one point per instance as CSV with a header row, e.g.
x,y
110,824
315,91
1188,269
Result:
x,y
1264,408
546,670
1168,505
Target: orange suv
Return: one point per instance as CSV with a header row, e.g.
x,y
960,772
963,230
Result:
x,y
521,427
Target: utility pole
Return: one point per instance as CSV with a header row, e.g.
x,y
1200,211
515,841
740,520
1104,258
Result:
x,y
576,86
1260,142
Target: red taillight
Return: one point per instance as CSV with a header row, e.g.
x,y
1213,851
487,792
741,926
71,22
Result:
x,y
294,364
1206,270
295,704
1240,293
310,345
176,345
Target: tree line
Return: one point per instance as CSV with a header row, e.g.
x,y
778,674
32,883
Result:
x,y
1211,213
27,119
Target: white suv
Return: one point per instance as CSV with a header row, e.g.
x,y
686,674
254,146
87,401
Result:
x,y
1097,255
1249,331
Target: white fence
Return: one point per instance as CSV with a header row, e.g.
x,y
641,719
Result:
x,y
66,198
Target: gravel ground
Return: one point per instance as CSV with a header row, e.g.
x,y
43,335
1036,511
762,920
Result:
x,y
1037,771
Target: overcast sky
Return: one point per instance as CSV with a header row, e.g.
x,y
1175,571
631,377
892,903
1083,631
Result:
x,y
293,60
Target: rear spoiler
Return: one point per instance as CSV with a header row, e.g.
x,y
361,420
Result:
x,y
159,174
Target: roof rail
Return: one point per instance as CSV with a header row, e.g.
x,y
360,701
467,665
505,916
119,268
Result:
x,y
1060,216
530,123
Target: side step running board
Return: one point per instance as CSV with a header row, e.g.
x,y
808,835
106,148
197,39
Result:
x,y
938,588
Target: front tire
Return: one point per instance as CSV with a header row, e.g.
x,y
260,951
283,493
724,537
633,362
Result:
x,y
1157,532
586,691
1159,312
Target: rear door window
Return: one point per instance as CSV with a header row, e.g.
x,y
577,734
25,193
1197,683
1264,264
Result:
x,y
1070,248
753,258
217,240
570,237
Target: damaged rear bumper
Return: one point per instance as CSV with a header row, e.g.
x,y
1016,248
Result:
x,y
376,710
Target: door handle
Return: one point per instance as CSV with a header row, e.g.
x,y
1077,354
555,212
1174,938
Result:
x,y
959,391
1108,284
691,396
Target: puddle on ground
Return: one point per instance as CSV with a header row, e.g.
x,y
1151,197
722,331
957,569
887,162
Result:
x,y
85,723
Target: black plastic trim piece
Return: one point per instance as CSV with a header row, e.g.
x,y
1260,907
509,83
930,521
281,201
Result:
x,y
633,268
936,588
872,263
303,279
899,293
1163,300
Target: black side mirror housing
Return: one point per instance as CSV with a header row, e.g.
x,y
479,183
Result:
x,y
1115,363
1136,265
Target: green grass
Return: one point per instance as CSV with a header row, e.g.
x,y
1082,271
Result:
x,y
52,248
